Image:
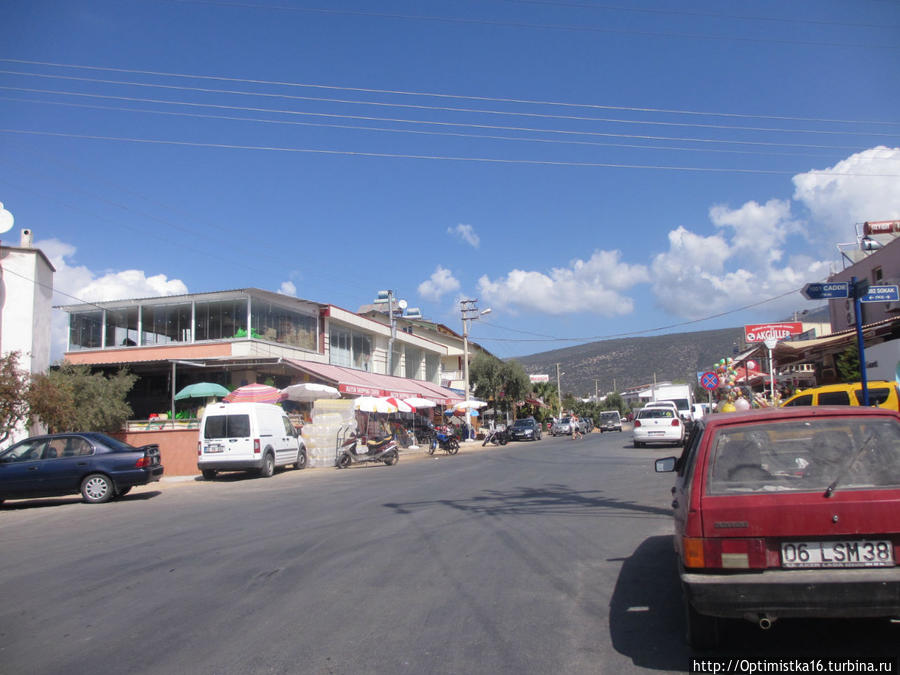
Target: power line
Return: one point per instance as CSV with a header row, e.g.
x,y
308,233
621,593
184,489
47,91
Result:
x,y
602,134
399,92
649,330
452,134
483,160
478,111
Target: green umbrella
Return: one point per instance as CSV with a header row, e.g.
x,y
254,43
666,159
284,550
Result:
x,y
201,390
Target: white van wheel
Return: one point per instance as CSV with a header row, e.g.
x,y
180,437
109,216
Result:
x,y
268,465
301,459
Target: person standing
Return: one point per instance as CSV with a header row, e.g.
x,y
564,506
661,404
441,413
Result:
x,y
576,428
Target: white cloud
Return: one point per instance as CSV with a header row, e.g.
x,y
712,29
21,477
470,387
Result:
x,y
755,256
466,233
440,282
288,288
836,201
593,286
76,283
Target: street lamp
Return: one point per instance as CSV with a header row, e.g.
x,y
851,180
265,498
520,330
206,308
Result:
x,y
469,312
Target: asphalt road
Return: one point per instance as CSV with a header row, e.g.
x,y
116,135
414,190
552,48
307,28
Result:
x,y
545,557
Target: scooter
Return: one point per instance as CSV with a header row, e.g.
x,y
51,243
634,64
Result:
x,y
498,437
445,440
359,449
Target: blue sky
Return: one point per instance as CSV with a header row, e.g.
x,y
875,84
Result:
x,y
585,169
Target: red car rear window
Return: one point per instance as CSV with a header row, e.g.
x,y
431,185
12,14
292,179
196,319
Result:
x,y
804,455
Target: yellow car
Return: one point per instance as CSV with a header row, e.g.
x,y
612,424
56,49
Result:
x,y
881,393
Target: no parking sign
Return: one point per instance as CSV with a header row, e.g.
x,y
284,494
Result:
x,y
709,381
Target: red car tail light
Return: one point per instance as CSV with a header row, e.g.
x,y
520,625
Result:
x,y
255,446
142,462
199,448
746,553
637,423
675,422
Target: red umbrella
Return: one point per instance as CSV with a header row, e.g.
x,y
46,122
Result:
x,y
254,393
399,404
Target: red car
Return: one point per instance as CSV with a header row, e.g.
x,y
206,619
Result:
x,y
788,512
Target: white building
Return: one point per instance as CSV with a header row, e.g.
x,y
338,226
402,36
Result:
x,y
26,294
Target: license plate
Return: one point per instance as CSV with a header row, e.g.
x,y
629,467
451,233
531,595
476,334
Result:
x,y
657,433
213,447
837,554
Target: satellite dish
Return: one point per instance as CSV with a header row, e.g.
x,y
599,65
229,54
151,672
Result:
x,y
401,304
6,220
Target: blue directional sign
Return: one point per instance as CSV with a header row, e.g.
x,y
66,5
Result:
x,y
882,293
825,291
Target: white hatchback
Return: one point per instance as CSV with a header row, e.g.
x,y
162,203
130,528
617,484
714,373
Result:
x,y
658,424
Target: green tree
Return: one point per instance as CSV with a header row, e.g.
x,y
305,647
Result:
x,y
546,391
71,398
516,384
848,365
485,377
13,388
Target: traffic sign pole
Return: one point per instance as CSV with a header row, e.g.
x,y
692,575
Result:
x,y
861,344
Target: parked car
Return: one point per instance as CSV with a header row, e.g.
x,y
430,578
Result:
x,y
96,465
610,421
587,424
788,513
247,437
525,429
562,427
657,424
881,393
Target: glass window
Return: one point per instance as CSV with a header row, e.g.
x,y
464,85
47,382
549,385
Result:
x,y
362,351
834,398
227,426
121,327
432,367
339,348
397,362
221,320
277,324
85,330
161,324
349,349
877,395
413,360
26,451
805,455
806,399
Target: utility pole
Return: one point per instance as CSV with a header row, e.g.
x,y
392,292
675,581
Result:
x,y
469,312
596,392
558,394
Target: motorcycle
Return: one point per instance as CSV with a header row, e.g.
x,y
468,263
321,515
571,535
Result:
x,y
360,449
498,436
444,439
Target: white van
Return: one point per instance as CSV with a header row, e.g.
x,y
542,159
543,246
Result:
x,y
247,436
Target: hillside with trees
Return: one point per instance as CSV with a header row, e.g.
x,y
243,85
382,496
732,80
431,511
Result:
x,y
615,365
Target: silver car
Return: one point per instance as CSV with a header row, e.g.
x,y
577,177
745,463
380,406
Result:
x,y
562,427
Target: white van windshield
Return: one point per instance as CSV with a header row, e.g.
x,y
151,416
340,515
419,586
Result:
x,y
227,426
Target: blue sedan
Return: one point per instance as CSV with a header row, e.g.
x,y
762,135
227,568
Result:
x,y
95,465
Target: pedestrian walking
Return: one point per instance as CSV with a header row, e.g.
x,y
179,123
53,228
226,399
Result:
x,y
576,428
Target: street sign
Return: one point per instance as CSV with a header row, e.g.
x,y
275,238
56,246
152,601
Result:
x,y
709,381
881,293
823,291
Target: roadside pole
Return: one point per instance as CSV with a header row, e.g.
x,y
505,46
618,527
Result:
x,y
860,342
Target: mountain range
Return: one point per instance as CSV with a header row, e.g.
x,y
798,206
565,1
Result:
x,y
616,365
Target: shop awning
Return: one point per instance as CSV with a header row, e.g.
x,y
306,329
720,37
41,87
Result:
x,y
360,382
